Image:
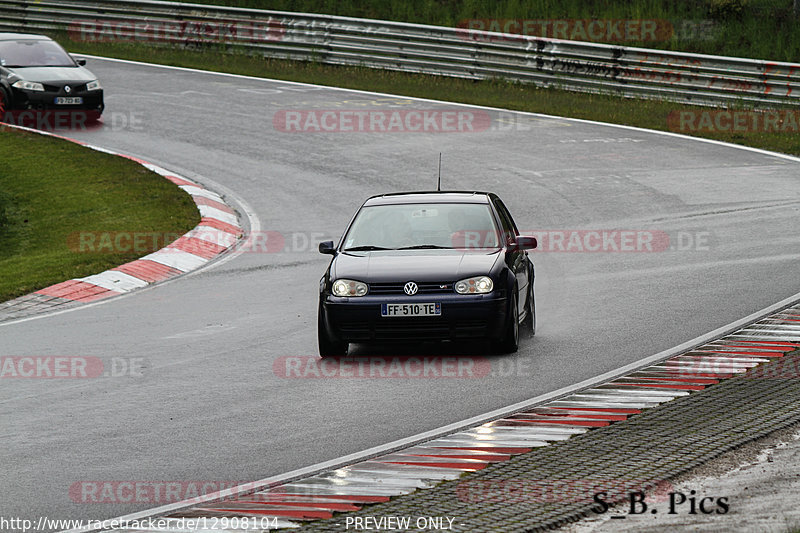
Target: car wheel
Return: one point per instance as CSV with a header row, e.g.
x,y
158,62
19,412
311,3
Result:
x,y
510,341
530,312
327,346
3,104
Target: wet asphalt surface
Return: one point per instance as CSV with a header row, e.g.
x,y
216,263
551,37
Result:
x,y
210,402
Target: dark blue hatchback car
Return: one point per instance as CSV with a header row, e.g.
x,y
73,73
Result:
x,y
427,266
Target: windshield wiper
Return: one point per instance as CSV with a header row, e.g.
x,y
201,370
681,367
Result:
x,y
367,248
426,247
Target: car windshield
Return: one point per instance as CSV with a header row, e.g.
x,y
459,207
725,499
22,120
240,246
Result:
x,y
33,53
422,226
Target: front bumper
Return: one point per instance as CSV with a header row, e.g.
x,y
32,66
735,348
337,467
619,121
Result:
x,y
45,100
463,317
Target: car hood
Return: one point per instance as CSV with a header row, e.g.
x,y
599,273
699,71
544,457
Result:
x,y
54,75
417,265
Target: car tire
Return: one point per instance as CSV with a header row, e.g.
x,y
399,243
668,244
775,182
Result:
x,y
509,343
327,346
530,311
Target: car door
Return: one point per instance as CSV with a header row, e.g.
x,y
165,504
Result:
x,y
517,259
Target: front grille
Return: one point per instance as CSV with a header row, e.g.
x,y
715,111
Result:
x,y
74,88
437,287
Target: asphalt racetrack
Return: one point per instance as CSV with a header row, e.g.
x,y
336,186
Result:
x,y
211,403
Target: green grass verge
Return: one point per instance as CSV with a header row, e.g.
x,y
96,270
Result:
x,y
495,93
54,189
761,29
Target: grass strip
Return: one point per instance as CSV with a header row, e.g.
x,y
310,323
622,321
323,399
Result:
x,y
53,191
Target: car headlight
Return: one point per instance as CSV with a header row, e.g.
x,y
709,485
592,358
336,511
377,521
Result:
x,y
478,285
28,85
348,287
93,85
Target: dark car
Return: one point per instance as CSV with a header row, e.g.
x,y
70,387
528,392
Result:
x,y
37,74
427,266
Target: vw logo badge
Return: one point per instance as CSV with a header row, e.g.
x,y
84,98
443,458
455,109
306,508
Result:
x,y
67,89
410,288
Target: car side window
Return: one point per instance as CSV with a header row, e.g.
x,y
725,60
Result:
x,y
509,228
508,216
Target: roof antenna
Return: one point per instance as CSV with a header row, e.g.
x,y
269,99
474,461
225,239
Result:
x,y
439,185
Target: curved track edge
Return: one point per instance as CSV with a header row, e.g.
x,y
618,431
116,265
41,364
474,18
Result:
x,y
218,232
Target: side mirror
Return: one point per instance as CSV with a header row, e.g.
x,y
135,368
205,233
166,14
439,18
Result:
x,y
80,61
526,243
327,247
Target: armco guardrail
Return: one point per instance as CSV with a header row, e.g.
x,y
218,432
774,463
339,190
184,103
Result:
x,y
573,65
